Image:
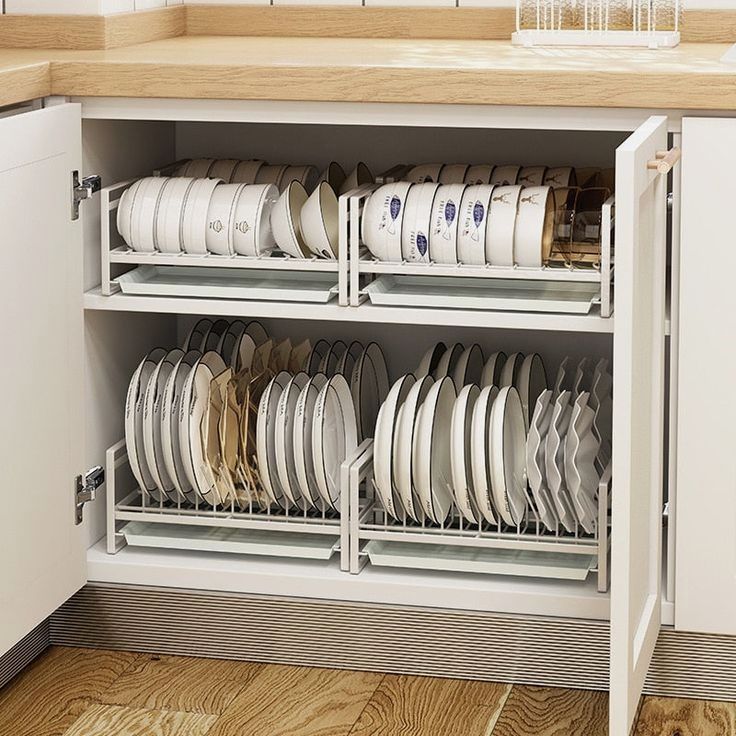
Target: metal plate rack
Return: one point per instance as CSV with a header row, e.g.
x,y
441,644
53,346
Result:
x,y
554,288
527,550
281,269
290,532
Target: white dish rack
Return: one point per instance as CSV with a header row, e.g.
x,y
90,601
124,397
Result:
x,y
555,289
527,550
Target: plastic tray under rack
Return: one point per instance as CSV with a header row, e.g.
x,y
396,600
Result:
x,y
449,292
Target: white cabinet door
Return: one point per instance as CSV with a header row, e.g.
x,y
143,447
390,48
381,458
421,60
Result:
x,y
42,551
705,569
638,417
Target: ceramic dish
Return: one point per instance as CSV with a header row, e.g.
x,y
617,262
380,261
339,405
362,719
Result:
x,y
144,213
257,331
417,221
535,453
369,388
333,175
246,172
330,361
134,423
223,168
448,362
479,174
531,382
229,342
424,173
469,367
403,446
453,174
318,352
430,360
284,441
286,221
252,234
492,370
199,168
168,221
531,176
125,211
305,175
319,222
383,446
501,225
534,231
382,220
460,452
170,446
334,436
346,364
471,235
197,335
221,219
508,456
271,174
214,336
554,460
194,215
480,449
431,469
152,424
504,176
444,223
302,440
510,372
265,437
359,176
560,177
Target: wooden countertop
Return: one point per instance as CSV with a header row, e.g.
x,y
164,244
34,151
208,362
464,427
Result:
x,y
378,70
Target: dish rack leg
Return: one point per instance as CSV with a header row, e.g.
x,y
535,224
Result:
x,y
115,542
354,488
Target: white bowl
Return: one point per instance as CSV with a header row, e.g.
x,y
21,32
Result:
x,y
333,175
479,174
252,234
535,221
319,222
416,224
220,214
194,216
504,176
471,231
223,168
170,210
143,217
305,175
383,216
445,216
125,211
560,177
286,221
360,175
424,173
271,174
199,168
453,173
246,172
531,176
501,223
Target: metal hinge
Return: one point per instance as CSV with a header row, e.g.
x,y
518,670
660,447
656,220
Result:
x,y
83,189
86,489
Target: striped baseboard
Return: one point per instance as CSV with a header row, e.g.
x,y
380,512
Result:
x,y
436,642
24,652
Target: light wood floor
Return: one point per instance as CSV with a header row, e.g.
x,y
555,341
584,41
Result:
x,y
83,692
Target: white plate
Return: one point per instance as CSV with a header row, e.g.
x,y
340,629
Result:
x,y
257,331
471,234
444,223
334,436
555,461
330,361
303,457
152,425
532,380
508,456
245,349
265,436
284,438
193,410
319,351
511,370
460,454
369,387
491,375
134,422
383,446
448,362
469,367
480,448
170,445
229,342
536,442
197,336
431,451
346,364
430,360
403,444
214,337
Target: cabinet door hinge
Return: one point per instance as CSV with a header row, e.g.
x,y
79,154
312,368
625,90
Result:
x,y
86,489
83,189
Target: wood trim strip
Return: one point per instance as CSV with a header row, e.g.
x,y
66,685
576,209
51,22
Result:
x,y
25,83
709,26
128,29
346,22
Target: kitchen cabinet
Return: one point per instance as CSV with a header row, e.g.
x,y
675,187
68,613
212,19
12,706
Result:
x,y
54,331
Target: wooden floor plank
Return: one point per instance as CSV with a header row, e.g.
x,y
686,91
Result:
x,y
298,701
116,720
544,711
425,706
672,716
46,698
186,684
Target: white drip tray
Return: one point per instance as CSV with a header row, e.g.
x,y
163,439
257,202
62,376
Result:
x,y
237,541
480,560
